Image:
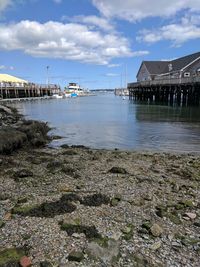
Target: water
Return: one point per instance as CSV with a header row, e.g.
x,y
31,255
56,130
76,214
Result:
x,y
108,121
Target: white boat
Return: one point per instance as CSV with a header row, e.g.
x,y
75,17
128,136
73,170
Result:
x,y
57,96
74,90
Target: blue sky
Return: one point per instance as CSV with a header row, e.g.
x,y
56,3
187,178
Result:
x,y
93,42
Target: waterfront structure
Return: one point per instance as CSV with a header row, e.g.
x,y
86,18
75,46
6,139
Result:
x,y
188,66
175,81
13,87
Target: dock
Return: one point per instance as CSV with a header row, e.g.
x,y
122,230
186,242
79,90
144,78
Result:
x,y
180,91
25,91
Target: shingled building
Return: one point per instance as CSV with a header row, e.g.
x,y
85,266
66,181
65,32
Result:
x,y
187,66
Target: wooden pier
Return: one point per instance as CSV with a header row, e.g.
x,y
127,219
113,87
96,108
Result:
x,y
30,90
182,91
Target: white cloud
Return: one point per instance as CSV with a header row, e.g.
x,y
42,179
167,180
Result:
x,y
92,21
111,74
133,10
70,41
4,4
176,33
113,65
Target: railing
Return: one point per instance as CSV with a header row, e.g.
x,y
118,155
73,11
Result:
x,y
185,80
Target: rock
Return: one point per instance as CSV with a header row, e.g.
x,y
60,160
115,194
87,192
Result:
x,y
190,215
10,140
2,223
8,216
10,257
156,230
128,231
23,173
176,245
22,200
6,109
197,224
76,256
107,251
156,245
46,264
118,170
25,262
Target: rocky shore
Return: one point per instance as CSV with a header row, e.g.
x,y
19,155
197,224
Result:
x,y
76,206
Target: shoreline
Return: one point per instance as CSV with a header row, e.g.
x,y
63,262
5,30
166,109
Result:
x,y
78,206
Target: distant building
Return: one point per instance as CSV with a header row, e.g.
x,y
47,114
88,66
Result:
x,y
187,66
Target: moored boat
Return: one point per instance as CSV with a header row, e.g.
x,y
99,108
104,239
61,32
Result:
x,y
74,90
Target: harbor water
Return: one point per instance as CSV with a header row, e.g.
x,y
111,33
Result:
x,y
108,121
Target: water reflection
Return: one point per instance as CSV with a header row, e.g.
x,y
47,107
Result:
x,y
167,113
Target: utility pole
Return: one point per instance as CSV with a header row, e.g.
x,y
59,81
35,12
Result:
x,y
47,76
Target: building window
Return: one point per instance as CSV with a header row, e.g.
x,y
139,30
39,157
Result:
x,y
187,74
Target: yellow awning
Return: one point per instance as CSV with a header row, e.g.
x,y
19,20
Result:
x,y
12,79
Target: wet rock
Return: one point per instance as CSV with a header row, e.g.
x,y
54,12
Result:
x,y
10,257
95,200
46,264
46,209
197,224
54,164
36,132
128,232
89,231
23,173
115,200
118,170
22,200
76,256
156,230
65,146
2,223
10,140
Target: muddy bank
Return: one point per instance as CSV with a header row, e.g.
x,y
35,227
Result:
x,y
77,206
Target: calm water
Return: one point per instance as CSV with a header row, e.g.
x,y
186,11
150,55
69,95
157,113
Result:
x,y
107,121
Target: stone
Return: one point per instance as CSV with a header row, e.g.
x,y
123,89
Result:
x,y
156,245
2,223
156,230
190,215
8,216
197,224
46,264
107,252
76,256
23,173
25,262
118,170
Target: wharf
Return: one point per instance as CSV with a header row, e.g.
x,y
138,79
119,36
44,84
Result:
x,y
30,90
180,91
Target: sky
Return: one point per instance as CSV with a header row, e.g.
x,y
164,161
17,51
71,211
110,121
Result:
x,y
96,43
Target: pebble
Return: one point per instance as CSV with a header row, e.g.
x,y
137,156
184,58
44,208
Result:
x,y
190,215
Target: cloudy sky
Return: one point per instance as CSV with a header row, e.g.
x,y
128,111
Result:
x,y
93,42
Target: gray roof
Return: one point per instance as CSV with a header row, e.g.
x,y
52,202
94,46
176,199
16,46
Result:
x,y
160,67
180,63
